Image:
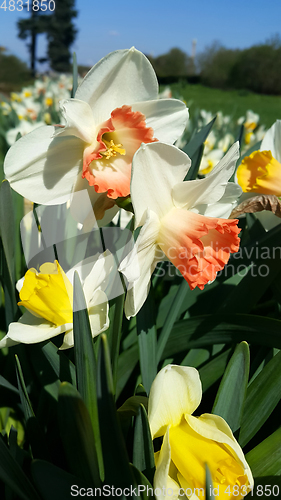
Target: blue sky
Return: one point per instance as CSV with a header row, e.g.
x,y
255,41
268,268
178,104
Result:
x,y
155,26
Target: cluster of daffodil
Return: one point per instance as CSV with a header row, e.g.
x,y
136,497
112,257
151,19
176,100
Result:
x,y
34,105
115,143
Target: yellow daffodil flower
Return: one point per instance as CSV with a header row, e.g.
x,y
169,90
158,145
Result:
x,y
261,171
47,296
190,442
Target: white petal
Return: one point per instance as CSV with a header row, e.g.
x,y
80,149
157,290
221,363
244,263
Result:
x,y
162,480
272,141
215,427
7,342
139,265
79,120
156,168
30,329
189,194
225,205
103,271
167,117
175,391
122,77
98,313
42,168
68,340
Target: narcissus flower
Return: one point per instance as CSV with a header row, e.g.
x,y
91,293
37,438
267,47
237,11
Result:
x,y
185,222
114,110
47,296
261,171
190,442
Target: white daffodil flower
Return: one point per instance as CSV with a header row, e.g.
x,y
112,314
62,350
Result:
x,y
180,219
47,296
115,109
190,442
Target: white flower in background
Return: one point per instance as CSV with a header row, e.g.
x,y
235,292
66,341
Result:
x,y
210,141
115,109
180,219
225,142
210,160
23,128
47,296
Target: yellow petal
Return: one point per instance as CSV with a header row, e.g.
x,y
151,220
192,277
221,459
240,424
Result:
x,y
260,173
48,293
190,450
175,391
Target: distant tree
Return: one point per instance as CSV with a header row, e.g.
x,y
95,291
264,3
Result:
x,y
60,31
61,34
216,64
259,68
175,63
30,28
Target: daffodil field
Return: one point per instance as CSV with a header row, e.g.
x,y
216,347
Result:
x,y
140,292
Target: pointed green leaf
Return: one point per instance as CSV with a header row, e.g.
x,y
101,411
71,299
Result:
x,y
77,435
52,482
116,462
7,227
265,459
209,488
12,475
212,329
74,74
199,139
85,361
34,431
147,341
229,402
171,317
143,452
264,393
114,332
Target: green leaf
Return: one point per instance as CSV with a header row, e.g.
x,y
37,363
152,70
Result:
x,y
7,227
222,329
213,370
126,364
147,341
25,401
143,452
172,315
62,366
114,332
116,462
85,361
34,431
12,475
74,75
52,482
7,248
77,435
209,489
144,486
265,459
229,402
264,393
199,139
266,487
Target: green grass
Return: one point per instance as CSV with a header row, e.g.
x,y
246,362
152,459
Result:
x,y
232,102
